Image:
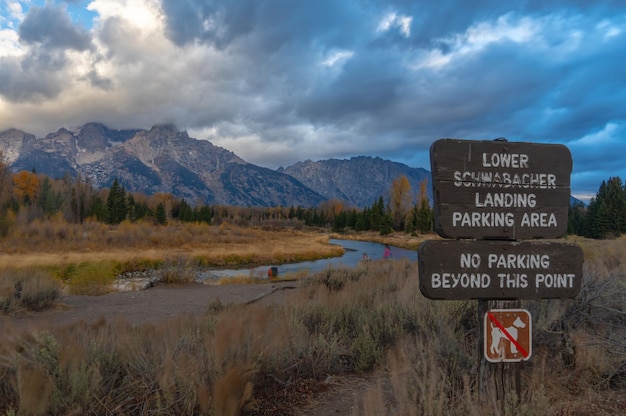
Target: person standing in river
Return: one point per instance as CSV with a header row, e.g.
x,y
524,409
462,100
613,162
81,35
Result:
x,y
387,252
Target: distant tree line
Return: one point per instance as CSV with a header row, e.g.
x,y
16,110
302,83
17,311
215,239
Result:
x,y
27,196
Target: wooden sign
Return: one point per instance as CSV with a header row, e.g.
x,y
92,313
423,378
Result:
x,y
508,335
499,189
499,270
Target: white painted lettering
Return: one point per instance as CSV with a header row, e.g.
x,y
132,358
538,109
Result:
x,y
554,280
469,260
505,160
518,261
504,180
513,280
505,200
483,219
539,219
460,280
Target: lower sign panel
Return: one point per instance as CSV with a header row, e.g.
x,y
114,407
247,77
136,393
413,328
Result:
x,y
508,335
461,270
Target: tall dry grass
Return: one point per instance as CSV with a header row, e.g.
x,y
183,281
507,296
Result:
x,y
59,242
26,290
88,257
91,236
369,320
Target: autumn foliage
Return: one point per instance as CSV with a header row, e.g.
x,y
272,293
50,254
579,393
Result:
x,y
25,186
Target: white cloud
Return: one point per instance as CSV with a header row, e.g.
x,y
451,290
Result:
x,y
553,36
9,43
404,22
337,58
386,22
393,20
609,29
14,13
141,14
10,17
610,134
483,34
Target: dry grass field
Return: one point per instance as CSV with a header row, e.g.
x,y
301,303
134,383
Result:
x,y
48,244
357,341
88,257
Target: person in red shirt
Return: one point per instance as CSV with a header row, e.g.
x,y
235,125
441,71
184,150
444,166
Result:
x,y
387,253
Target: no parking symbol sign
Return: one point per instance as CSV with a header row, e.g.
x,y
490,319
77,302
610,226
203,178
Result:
x,y
508,335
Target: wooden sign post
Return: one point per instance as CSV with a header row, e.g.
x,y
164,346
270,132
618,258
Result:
x,y
505,270
497,193
500,190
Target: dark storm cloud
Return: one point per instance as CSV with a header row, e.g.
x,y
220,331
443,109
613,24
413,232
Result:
x,y
588,101
51,27
275,47
35,77
278,81
208,21
287,38
98,81
553,87
274,23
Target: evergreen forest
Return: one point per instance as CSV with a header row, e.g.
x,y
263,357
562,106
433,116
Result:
x,y
26,197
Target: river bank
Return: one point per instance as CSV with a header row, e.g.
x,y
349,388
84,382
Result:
x,y
354,252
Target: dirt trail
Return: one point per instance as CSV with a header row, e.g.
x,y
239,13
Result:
x,y
147,306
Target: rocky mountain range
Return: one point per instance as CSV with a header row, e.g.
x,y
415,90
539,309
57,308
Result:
x,y
164,159
359,180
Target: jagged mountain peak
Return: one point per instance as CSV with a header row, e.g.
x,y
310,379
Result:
x,y
164,159
161,159
13,142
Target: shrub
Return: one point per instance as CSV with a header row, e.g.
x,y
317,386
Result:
x,y
88,278
27,290
177,271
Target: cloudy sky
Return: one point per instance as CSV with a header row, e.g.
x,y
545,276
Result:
x,y
280,81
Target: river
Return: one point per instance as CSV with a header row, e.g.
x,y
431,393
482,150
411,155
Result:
x,y
353,253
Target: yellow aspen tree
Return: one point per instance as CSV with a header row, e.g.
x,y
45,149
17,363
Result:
x,y
423,192
25,186
400,200
331,208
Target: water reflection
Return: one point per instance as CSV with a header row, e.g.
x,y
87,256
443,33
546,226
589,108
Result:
x,y
353,253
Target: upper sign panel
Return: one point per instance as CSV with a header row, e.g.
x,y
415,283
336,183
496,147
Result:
x,y
499,189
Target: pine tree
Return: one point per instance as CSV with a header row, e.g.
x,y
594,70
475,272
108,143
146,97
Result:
x,y
424,217
205,214
386,224
116,203
363,221
340,221
576,219
98,209
160,214
49,200
376,214
606,214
